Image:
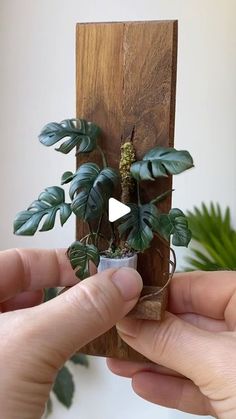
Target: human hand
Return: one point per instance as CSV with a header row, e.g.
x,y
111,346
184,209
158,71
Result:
x,y
36,340
194,347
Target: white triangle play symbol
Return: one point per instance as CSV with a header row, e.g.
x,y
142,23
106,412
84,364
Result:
x,y
116,210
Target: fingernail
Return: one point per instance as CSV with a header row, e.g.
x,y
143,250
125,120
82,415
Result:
x,y
129,283
128,327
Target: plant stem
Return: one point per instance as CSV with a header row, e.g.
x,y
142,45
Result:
x,y
138,193
113,237
90,229
104,160
93,234
98,231
87,236
161,197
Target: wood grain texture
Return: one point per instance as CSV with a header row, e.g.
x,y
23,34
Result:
x,y
125,78
150,304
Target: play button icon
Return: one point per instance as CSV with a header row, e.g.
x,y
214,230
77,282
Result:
x,y
116,210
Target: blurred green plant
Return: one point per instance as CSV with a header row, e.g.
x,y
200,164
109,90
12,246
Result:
x,y
215,237
64,386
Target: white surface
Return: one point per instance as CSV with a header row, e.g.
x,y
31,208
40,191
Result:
x,y
37,85
116,210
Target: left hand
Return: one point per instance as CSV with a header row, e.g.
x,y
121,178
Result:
x,y
36,340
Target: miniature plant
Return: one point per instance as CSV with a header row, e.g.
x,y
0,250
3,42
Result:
x,y
92,185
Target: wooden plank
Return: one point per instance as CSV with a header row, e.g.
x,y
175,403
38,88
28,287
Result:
x,y
125,78
99,87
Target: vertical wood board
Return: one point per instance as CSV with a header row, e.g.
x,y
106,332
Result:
x,y
125,78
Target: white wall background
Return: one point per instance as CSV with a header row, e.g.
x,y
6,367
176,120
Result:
x,y
37,85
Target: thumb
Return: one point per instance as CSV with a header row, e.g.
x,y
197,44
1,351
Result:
x,y
86,310
175,344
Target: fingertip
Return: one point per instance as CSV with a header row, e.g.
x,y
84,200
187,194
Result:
x,y
129,282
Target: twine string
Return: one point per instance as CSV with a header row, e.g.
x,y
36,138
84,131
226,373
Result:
x,y
172,263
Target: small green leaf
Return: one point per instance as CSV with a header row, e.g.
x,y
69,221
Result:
x,y
80,133
66,177
90,190
64,387
80,359
159,162
50,293
175,223
79,255
137,226
51,200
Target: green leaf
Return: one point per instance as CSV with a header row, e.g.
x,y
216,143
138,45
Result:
x,y
66,177
200,266
161,161
137,226
175,223
201,262
212,230
90,190
64,387
79,255
50,293
215,255
80,359
80,133
50,201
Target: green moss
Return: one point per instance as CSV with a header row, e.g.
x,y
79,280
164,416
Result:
x,y
126,159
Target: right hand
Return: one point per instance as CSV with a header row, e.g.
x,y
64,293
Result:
x,y
194,348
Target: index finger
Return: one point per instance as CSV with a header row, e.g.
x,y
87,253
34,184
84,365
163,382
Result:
x,y
205,293
33,269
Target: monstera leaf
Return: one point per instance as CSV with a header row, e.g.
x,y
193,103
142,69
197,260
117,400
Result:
x,y
137,226
64,387
79,255
49,202
175,223
66,177
159,162
79,359
90,190
78,131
